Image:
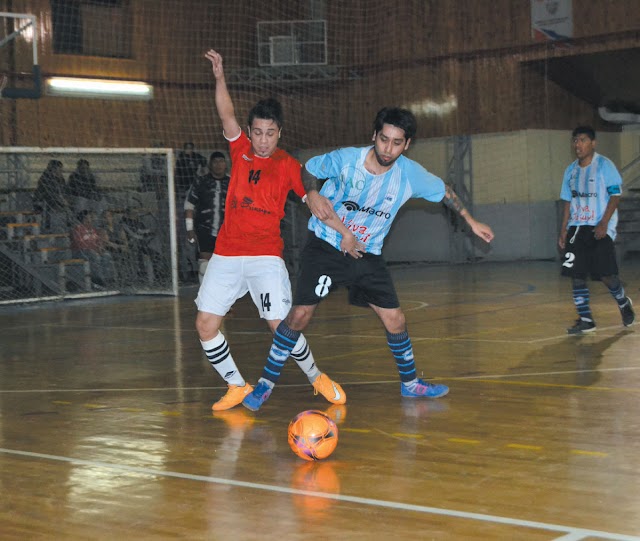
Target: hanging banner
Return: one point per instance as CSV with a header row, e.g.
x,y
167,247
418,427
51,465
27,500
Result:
x,y
551,20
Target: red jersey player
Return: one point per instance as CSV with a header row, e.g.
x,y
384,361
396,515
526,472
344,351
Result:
x,y
248,252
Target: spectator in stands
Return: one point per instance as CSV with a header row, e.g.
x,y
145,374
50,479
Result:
x,y
88,243
50,198
115,241
189,165
153,174
138,237
204,209
82,182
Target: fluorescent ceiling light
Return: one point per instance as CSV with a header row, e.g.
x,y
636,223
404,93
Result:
x,y
68,87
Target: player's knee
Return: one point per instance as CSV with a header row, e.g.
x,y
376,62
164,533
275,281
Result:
x,y
395,322
612,281
206,326
579,283
299,317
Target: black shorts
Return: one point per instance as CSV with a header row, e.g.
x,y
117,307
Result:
x,y
206,241
586,256
323,269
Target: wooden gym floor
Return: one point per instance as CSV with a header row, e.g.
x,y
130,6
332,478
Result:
x,y
106,430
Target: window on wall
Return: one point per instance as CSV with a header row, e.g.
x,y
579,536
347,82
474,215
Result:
x,y
92,27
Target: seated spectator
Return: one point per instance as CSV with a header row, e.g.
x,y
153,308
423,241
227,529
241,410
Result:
x,y
88,243
50,198
114,239
138,238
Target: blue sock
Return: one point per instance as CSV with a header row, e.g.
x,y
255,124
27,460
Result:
x,y
581,300
400,346
284,340
617,292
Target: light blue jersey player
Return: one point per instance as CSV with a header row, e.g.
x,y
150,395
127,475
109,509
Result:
x,y
367,203
352,214
591,189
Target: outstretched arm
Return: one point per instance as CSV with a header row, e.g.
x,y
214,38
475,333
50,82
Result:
x,y
224,105
452,201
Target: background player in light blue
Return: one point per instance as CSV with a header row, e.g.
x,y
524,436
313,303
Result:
x,y
352,214
591,189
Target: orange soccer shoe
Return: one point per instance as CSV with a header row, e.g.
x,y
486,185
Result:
x,y
234,396
329,389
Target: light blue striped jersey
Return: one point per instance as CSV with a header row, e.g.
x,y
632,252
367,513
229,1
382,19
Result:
x,y
367,204
587,190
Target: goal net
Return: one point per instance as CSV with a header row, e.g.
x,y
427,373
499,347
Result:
x,y
86,222
496,92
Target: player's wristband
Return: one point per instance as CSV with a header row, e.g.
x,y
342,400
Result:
x,y
189,223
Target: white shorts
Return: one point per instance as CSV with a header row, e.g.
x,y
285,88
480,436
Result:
x,y
227,279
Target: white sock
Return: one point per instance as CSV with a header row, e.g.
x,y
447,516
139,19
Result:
x,y
217,351
202,268
301,353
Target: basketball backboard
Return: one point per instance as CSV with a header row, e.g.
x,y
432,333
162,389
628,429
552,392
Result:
x,y
20,76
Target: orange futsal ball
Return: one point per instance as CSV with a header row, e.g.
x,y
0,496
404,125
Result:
x,y
313,435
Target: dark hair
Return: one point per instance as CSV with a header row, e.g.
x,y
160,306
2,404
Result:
x,y
217,154
188,144
586,130
83,162
400,118
268,109
53,163
83,214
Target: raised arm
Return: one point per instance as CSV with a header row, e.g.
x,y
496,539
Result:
x,y
452,201
224,105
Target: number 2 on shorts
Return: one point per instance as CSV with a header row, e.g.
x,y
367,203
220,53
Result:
x,y
569,259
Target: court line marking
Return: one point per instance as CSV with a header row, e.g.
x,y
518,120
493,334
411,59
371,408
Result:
x,y
481,377
574,532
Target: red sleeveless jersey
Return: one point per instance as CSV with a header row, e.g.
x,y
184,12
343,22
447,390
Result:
x,y
256,198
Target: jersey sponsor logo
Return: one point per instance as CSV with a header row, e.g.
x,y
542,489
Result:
x,y
247,203
576,193
354,207
351,205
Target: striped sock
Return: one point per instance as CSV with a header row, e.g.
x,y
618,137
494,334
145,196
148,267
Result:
x,y
581,300
301,353
400,346
284,340
618,293
217,351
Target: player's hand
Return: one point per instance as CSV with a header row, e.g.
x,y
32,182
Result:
x,y
350,245
319,206
562,240
216,63
482,230
191,236
600,231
